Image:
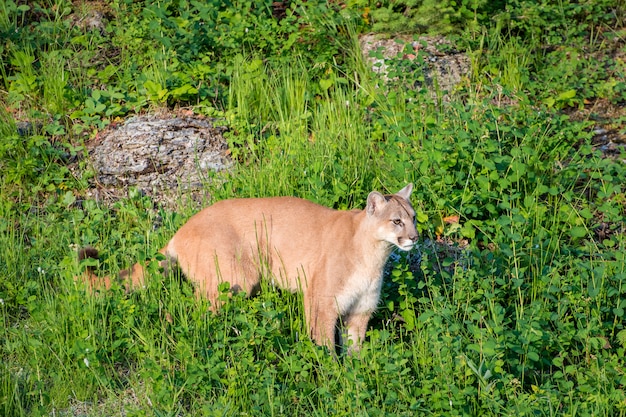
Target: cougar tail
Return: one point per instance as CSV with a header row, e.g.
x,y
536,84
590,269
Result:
x,y
89,277
129,278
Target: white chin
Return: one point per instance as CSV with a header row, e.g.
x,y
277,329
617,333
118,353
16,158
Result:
x,y
406,248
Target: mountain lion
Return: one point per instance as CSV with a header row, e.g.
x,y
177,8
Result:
x,y
335,258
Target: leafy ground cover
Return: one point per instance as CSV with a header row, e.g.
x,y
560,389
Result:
x,y
514,303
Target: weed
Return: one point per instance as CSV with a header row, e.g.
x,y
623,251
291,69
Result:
x,y
514,303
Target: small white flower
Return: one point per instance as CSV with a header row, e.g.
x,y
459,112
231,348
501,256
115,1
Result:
x,y
86,362
40,270
1,301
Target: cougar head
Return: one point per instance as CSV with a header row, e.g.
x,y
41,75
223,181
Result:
x,y
394,216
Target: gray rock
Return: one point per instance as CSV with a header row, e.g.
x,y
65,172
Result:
x,y
446,70
157,154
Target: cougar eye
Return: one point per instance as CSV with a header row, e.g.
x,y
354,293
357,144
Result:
x,y
397,222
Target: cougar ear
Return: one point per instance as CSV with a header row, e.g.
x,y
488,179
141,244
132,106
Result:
x,y
406,191
375,200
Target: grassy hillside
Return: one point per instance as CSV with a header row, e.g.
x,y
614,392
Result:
x,y
513,304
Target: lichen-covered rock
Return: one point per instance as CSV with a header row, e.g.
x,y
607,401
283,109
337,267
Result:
x,y
446,69
156,153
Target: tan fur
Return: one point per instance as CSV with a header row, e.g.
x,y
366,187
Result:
x,y
334,257
129,278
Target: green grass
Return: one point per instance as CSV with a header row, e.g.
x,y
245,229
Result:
x,y
516,309
299,142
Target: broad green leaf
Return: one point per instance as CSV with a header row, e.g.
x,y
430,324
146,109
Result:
x,y
566,95
326,84
578,231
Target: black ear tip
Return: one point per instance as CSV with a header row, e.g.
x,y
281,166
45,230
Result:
x,y
87,253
